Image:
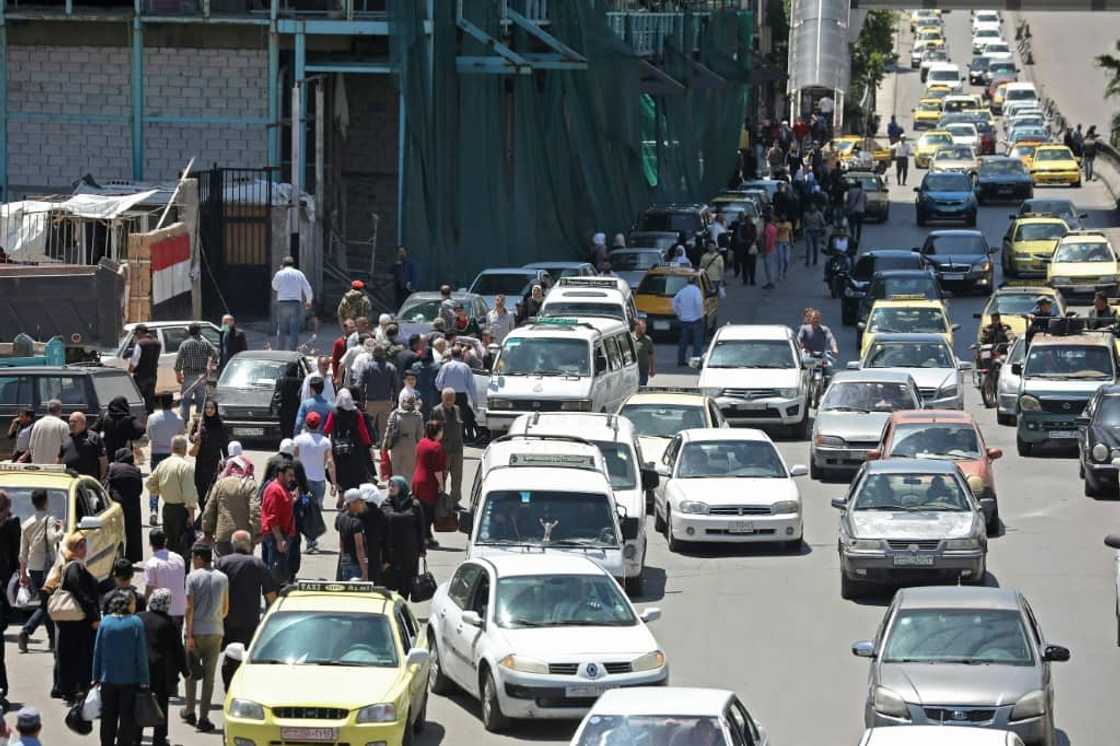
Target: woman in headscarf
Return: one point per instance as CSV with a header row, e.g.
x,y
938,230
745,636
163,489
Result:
x,y
285,399
350,443
166,657
118,427
404,536
73,658
120,667
126,486
236,464
209,444
403,432
429,474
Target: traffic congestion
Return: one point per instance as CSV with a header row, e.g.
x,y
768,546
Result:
x,y
832,456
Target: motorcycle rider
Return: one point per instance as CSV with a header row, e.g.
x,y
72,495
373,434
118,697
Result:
x,y
1101,314
995,332
1040,316
816,338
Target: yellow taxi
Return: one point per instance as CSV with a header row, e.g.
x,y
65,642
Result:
x,y
1028,244
332,662
998,96
654,298
928,145
659,413
931,36
1055,164
927,113
79,503
1083,264
1014,303
900,315
1024,151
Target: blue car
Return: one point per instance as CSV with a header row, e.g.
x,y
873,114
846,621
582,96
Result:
x,y
946,196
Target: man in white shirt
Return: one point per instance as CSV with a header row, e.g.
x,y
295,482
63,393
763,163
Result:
x,y
328,382
293,295
901,151
39,537
48,435
313,449
717,229
688,306
166,569
501,319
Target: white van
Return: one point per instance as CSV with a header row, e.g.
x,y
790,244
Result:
x,y
561,365
1017,94
606,297
631,478
945,73
546,493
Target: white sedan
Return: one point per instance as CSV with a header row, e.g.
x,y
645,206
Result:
x,y
721,485
934,735
964,133
538,636
928,358
670,715
1113,540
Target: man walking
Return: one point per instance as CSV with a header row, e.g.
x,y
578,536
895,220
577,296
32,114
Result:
x,y
173,480
404,276
894,130
166,569
381,384
354,303
643,345
458,376
39,537
500,320
450,415
192,364
855,204
249,581
120,668
278,524
48,435
207,607
901,151
712,265
9,565
83,450
316,402
144,364
313,449
232,507
293,295
688,306
231,342
1089,150
163,426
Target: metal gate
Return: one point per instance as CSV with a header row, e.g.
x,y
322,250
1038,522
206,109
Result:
x,y
235,228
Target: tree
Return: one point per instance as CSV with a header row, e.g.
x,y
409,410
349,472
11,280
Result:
x,y
1112,89
872,54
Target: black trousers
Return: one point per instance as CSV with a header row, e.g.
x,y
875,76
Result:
x,y
148,391
159,732
901,169
750,264
470,424
118,722
174,524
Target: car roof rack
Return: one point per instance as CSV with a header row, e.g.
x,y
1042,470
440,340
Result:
x,y
337,586
1086,232
541,436
668,390
535,419
602,283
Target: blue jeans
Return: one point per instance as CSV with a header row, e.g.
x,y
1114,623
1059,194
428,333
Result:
x,y
289,320
153,500
813,246
39,616
348,569
280,565
318,491
785,257
197,395
770,264
690,331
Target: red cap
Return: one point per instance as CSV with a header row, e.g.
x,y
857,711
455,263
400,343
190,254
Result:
x,y
357,284
312,420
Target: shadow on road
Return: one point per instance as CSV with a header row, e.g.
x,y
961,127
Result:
x,y
653,585
433,734
523,730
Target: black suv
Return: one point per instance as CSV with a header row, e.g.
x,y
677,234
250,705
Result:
x,y
1098,442
87,389
867,264
690,220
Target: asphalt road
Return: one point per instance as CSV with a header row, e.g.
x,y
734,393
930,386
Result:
x,y
772,626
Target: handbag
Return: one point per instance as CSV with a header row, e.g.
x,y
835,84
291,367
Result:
x,y
62,606
75,722
91,707
423,585
146,711
386,467
312,526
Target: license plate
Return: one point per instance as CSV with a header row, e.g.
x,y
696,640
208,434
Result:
x,y
584,692
309,734
661,326
1006,190
953,276
1083,289
249,432
913,560
1063,434
753,406
741,527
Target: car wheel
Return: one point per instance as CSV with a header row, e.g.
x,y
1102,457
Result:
x,y
406,737
658,521
1005,419
816,472
921,220
1023,447
437,680
421,721
1091,487
850,589
492,718
674,543
1077,184
972,220
992,524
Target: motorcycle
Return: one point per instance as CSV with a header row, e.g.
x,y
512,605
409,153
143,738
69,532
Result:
x,y
989,361
836,270
820,375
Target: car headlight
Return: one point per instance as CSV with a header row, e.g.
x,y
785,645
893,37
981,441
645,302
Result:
x,y
1028,403
984,266
785,506
499,404
379,713
648,662
710,391
946,392
245,709
830,440
692,506
1100,452
1030,705
864,545
970,543
788,393
581,405
887,702
523,664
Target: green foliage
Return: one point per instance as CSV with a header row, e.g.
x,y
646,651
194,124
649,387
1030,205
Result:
x,y
1112,89
777,17
873,52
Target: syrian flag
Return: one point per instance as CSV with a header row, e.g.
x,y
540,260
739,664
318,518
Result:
x,y
171,268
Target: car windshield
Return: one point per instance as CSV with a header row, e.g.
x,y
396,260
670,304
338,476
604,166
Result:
x,y
501,283
980,63
868,396
907,320
568,309
524,356
547,517
619,459
1036,122
943,440
955,243
1059,207
420,311
57,501
976,636
250,373
1107,414
1022,94
1023,151
959,152
1083,252
843,146
624,730
1000,48
662,284
910,492
751,353
663,420
1040,232
908,355
730,458
1011,305
948,182
1037,134
676,222
629,261
923,285
946,76
558,272
1002,168
328,638
524,601
867,181
1053,154
931,139
1087,362
986,33
925,105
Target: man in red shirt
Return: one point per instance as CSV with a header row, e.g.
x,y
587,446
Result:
x,y
769,252
801,130
339,349
278,524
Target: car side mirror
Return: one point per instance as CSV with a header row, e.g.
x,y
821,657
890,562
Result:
x,y
840,503
916,189
954,327
1017,368
964,365
472,618
1082,420
853,365
651,614
863,649
235,651
1055,654
630,526
1112,540
861,326
466,522
995,453
798,470
695,362
418,656
650,478
90,523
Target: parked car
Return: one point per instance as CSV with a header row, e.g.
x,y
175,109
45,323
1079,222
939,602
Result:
x,y
170,334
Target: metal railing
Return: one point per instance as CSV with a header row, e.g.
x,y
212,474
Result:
x,y
647,33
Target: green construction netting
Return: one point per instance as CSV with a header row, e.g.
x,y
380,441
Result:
x,y
502,170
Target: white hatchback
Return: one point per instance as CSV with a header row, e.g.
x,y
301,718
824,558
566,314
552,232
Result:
x,y
934,735
538,636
